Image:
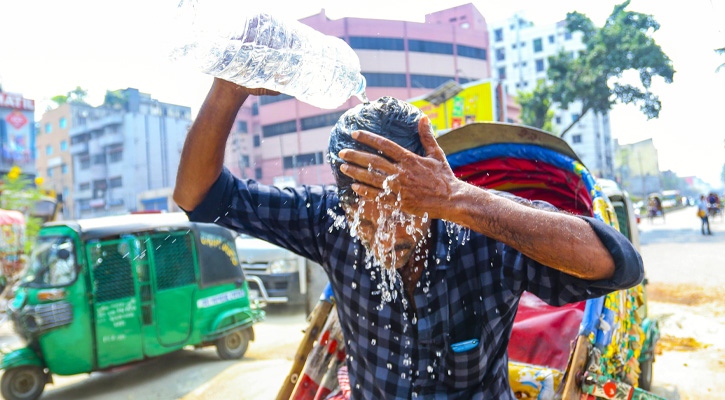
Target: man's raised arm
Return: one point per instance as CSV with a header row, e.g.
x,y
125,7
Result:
x,y
203,154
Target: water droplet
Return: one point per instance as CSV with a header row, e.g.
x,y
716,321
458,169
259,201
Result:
x,y
430,369
373,342
390,366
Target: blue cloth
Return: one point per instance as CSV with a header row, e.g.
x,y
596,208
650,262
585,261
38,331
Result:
x,y
470,290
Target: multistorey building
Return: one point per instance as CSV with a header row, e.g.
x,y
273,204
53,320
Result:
x,y
519,57
125,157
54,160
277,139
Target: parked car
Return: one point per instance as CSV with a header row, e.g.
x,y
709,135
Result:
x,y
106,292
279,275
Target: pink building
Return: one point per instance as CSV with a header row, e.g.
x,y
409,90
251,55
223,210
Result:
x,y
282,140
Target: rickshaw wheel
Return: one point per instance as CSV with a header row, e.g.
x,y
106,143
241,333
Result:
x,y
645,375
233,346
23,383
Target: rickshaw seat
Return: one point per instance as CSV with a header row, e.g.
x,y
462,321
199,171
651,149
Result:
x,y
542,334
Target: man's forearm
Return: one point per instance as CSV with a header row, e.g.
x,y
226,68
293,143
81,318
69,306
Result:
x,y
557,240
203,155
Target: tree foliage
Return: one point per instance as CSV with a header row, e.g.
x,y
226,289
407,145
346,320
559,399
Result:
x,y
115,99
77,96
20,193
624,43
536,107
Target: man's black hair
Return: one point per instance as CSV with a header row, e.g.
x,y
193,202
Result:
x,y
388,117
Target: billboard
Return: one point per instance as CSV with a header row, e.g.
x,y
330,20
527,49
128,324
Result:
x,y
17,132
478,101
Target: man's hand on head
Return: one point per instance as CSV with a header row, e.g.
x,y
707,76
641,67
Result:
x,y
418,185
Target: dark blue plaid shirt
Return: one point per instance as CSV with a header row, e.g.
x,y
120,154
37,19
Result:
x,y
470,290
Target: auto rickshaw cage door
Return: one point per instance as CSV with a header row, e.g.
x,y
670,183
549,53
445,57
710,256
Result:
x,y
173,257
116,308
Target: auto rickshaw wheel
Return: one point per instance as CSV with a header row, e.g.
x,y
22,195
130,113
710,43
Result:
x,y
645,375
23,383
233,346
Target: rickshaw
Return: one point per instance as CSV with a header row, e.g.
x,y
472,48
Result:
x,y
107,292
588,350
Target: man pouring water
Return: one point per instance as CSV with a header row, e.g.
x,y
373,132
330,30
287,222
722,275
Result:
x,y
426,270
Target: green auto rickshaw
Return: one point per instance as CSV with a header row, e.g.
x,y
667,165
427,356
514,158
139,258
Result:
x,y
101,293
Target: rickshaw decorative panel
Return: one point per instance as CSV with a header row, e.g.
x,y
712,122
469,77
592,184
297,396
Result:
x,y
174,261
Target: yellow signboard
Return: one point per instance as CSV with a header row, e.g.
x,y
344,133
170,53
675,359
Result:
x,y
474,104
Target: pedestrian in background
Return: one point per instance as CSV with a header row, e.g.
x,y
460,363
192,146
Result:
x,y
702,213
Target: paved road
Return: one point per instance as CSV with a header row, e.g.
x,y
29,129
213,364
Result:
x,y
686,271
193,374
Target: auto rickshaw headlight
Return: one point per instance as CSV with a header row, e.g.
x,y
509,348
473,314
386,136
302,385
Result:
x,y
283,266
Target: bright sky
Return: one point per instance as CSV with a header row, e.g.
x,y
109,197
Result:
x,y
49,47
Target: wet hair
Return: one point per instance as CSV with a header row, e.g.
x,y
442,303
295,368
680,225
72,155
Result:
x,y
388,117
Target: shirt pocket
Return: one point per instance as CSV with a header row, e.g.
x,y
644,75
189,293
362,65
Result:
x,y
462,370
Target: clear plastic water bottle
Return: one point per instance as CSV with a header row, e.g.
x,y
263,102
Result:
x,y
256,49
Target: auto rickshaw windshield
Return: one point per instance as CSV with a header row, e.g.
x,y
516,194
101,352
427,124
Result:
x,y
52,263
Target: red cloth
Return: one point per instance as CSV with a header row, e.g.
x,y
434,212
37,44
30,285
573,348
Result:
x,y
543,335
533,180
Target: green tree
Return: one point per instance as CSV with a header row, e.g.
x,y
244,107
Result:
x,y
115,99
78,95
60,99
20,193
536,107
623,44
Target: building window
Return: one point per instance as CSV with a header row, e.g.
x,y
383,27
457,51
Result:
x,y
85,162
50,172
48,150
255,108
63,123
538,45
84,186
319,121
99,159
116,182
48,127
376,43
567,35
257,141
115,155
279,129
428,81
242,126
500,54
258,173
424,46
576,139
574,117
303,160
63,146
539,65
263,100
66,193
498,35
551,38
523,64
64,168
502,73
374,79
558,120
472,52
